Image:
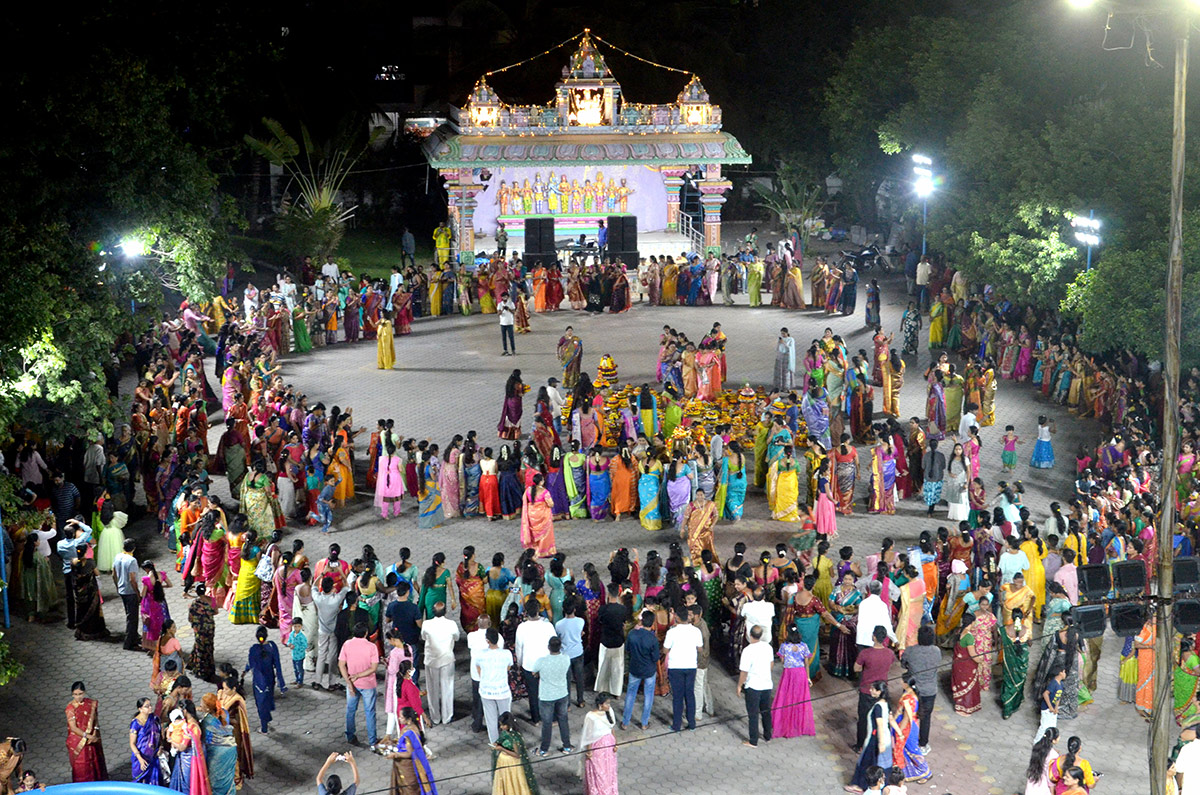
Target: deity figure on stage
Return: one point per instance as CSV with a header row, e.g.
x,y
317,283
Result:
x,y
623,196
589,196
576,197
527,198
610,196
504,198
539,195
553,193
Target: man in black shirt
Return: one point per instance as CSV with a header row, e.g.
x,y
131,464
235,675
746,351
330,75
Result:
x,y
405,616
644,652
610,669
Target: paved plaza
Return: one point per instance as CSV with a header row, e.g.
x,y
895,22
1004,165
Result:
x,y
449,379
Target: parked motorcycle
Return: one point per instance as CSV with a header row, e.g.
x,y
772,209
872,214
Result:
x,y
866,258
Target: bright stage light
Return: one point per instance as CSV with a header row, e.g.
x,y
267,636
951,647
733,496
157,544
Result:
x,y
133,247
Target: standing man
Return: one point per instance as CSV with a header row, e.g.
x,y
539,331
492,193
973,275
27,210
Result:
x,y
532,643
506,309
934,466
756,685
492,666
874,664
728,279
395,282
610,666
643,669
64,500
556,403
441,243
785,362
924,269
357,663
922,662
328,604
683,644
703,693
477,644
125,577
406,617
69,550
439,634
94,461
553,692
602,239
570,632
501,240
408,248
910,268
758,612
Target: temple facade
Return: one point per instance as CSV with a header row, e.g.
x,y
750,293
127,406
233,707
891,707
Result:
x,y
585,155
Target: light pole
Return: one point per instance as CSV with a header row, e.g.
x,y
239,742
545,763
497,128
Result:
x,y
1087,232
1160,727
923,187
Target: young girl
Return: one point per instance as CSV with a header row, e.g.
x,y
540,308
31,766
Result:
x,y
1008,455
1043,451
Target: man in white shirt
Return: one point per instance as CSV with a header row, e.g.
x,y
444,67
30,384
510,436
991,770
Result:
x,y
758,613
682,644
476,645
924,268
506,309
491,670
556,403
873,612
967,422
330,269
395,281
250,300
439,634
755,684
532,644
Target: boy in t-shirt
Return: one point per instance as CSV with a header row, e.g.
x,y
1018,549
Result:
x,y
298,642
1051,696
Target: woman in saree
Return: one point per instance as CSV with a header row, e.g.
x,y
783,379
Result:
x,y
472,474
84,749
939,320
411,774
935,405
145,741
429,497
754,280
510,416
201,614
1008,352
1187,677
809,611
247,595
678,488
537,519
892,368
950,612
599,748
220,749
89,618
472,582
983,631
624,474
845,475
575,478
906,750
1014,640
825,513
448,480
733,482
234,704
912,608
833,289
964,671
351,314
987,406
783,487
1143,644
649,487
186,740
258,501
670,273
882,492
511,771
385,345
153,606
599,485
232,458
843,608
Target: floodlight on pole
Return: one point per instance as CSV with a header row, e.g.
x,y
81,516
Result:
x,y
923,187
132,247
1081,4
1087,232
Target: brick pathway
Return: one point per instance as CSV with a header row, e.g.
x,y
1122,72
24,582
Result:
x,y
449,379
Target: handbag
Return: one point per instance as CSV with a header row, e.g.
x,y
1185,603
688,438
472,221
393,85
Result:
x,y
264,570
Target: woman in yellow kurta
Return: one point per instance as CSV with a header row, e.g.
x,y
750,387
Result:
x,y
385,357
669,273
893,379
220,310
937,324
987,412
1035,575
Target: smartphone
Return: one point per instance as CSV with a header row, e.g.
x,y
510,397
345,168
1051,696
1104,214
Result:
x,y
341,757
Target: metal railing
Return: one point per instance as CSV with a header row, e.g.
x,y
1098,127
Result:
x,y
687,228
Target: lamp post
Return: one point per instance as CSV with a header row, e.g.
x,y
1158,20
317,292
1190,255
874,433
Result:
x,y
923,187
1087,232
1160,727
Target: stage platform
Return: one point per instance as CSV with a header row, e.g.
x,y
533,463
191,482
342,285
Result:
x,y
656,244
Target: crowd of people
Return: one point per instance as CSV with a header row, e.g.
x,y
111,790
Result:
x,y
977,586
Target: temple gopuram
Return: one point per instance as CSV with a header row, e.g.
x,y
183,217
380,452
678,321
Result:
x,y
585,155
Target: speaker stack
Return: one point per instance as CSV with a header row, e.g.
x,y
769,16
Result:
x,y
539,241
623,239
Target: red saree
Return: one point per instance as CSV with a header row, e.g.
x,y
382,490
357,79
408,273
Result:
x,y
87,759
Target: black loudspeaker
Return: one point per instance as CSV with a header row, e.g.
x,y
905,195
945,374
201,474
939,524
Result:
x,y
1187,616
539,241
616,233
1129,577
627,258
1089,620
1094,582
1187,573
1127,619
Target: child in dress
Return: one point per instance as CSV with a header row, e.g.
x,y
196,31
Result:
x,y
1043,450
1008,453
896,784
